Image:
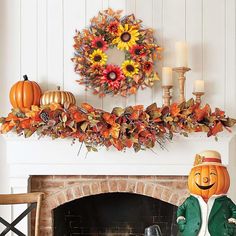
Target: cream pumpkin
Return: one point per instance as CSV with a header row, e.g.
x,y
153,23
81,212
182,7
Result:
x,y
57,96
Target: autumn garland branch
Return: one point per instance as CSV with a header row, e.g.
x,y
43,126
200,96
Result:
x,y
133,126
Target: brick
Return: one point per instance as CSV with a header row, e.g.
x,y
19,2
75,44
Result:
x,y
46,232
43,177
69,195
181,185
86,190
122,185
113,187
131,187
174,199
61,198
52,202
166,194
158,192
52,184
149,188
95,188
72,182
45,212
117,177
89,177
35,184
44,223
138,177
104,187
77,192
140,188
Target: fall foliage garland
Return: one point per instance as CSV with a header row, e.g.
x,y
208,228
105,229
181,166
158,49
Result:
x,y
123,128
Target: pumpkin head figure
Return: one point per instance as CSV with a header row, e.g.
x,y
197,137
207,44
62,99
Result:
x,y
208,176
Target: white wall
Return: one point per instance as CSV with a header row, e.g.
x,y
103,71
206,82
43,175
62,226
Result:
x,y
37,37
4,182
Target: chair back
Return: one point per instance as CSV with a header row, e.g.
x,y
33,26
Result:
x,y
33,199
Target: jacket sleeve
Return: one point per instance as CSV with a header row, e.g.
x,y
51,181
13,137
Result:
x,y
182,209
232,207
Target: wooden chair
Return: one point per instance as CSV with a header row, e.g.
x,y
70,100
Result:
x,y
33,199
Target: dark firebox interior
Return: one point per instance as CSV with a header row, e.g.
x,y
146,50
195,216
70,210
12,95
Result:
x,y
114,214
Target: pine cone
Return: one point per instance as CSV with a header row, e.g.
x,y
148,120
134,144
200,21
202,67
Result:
x,y
44,116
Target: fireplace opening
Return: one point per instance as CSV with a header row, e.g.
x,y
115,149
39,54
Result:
x,y
114,214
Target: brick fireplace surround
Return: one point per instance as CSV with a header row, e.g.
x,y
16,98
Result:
x,y
62,189
64,176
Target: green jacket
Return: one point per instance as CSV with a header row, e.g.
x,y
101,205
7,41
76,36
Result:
x,y
223,209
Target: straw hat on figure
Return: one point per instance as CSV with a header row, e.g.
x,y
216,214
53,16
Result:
x,y
208,211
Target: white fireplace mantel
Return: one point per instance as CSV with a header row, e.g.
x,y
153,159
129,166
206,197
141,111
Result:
x,y
43,156
27,157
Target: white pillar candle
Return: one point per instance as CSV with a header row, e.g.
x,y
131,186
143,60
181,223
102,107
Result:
x,y
167,79
199,86
181,51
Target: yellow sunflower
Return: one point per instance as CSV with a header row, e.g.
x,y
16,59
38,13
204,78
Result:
x,y
126,38
98,57
129,68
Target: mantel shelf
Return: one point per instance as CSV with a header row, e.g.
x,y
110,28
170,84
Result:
x,y
59,157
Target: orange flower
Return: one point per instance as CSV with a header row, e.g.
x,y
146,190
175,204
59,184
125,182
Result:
x,y
147,67
113,27
99,43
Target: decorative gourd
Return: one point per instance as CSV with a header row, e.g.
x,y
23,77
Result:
x,y
208,178
24,94
57,96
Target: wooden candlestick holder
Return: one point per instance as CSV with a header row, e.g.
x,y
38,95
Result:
x,y
166,94
198,96
181,71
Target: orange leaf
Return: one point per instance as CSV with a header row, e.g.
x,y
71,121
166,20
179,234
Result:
x,y
11,117
201,113
115,131
87,107
25,124
134,115
216,129
78,117
128,143
54,106
174,109
109,118
218,112
106,133
118,144
138,108
132,90
5,128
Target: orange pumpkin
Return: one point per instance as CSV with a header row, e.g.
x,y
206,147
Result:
x,y
209,178
24,94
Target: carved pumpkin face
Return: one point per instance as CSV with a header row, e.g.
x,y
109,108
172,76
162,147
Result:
x,y
208,180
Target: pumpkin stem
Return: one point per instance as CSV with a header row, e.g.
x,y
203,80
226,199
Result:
x,y
25,77
58,87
